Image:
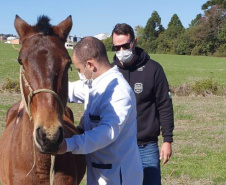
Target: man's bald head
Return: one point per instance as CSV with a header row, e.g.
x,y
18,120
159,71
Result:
x,y
90,48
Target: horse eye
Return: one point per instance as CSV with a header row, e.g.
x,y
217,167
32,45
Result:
x,y
20,61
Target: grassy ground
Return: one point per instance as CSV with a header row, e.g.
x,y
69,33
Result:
x,y
199,149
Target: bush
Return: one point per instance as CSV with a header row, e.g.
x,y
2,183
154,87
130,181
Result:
x,y
221,51
108,43
11,86
202,87
182,90
206,87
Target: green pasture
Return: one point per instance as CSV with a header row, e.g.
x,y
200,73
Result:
x,y
179,69
199,150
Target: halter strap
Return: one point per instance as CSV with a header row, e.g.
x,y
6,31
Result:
x,y
32,93
33,36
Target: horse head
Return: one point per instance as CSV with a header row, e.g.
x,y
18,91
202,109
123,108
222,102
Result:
x,y
44,64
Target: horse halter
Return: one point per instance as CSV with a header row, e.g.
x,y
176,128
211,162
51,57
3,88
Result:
x,y
33,93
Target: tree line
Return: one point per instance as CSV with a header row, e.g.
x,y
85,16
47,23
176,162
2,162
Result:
x,y
206,34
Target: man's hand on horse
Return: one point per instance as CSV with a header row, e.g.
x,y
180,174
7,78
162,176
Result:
x,y
63,148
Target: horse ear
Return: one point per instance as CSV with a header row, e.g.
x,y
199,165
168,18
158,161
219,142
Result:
x,y
63,28
22,28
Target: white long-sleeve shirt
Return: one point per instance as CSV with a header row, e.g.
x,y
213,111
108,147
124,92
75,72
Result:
x,y
110,130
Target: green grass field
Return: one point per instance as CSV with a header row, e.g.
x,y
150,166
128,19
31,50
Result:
x,y
179,69
199,149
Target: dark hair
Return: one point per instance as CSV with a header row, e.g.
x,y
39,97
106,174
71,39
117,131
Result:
x,y
43,25
124,29
90,48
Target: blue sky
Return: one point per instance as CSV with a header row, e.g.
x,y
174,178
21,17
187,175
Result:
x,y
99,16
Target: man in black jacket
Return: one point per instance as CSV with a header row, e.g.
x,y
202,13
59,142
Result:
x,y
154,103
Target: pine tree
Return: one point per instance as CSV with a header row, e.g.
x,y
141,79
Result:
x,y
196,21
175,27
152,30
211,3
172,34
153,27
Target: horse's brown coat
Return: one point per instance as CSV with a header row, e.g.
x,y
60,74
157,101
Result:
x,y
17,146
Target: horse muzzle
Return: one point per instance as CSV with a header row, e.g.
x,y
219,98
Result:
x,y
48,141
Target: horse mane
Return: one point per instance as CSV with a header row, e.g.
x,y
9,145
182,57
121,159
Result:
x,y
43,25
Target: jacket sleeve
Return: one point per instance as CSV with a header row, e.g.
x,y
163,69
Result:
x,y
164,105
115,110
76,92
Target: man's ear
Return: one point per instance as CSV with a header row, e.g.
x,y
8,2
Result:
x,y
91,65
134,45
135,42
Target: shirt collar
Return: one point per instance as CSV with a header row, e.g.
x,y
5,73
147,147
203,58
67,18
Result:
x,y
114,69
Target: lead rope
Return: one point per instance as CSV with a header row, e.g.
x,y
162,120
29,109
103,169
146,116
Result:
x,y
22,94
27,107
52,169
34,160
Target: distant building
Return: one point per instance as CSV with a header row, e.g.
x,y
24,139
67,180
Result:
x,y
2,38
12,40
69,45
71,41
102,36
15,41
7,37
78,39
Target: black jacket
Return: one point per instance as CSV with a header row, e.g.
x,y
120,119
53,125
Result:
x,y
154,103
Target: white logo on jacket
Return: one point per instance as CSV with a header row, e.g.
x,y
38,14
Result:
x,y
141,68
138,88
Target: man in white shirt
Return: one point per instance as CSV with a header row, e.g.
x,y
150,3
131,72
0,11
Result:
x,y
110,125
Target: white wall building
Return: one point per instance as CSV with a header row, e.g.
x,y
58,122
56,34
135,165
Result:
x,y
102,36
11,38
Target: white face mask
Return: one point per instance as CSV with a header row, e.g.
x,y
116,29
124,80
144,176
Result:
x,y
125,56
83,78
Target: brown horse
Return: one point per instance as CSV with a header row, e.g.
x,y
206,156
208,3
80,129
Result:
x,y
36,130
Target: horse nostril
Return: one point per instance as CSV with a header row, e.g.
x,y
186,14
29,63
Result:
x,y
40,135
61,129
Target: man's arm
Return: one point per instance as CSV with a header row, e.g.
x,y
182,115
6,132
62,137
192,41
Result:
x,y
164,105
114,112
166,117
76,92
